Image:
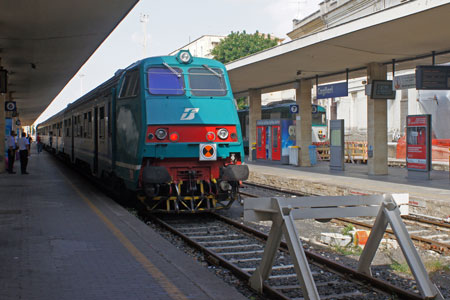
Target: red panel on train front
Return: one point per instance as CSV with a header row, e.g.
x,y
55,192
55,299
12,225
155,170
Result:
x,y
192,134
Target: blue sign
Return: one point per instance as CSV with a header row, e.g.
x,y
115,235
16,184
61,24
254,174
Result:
x,y
332,90
293,108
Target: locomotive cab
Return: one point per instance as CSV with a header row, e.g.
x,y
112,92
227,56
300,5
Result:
x,y
192,152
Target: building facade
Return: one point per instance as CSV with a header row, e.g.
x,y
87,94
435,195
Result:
x,y
202,46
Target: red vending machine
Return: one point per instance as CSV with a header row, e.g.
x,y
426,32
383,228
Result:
x,y
268,139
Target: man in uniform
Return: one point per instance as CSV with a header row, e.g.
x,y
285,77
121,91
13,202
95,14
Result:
x,y
11,152
24,151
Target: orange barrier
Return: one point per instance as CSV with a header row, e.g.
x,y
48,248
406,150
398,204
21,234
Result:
x,y
439,149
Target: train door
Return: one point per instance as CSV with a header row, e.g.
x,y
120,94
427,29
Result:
x,y
268,142
261,142
276,142
95,140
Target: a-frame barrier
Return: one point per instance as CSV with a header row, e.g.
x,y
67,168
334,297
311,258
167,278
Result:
x,y
284,211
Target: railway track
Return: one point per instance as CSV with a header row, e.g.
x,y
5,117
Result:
x,y
239,248
425,232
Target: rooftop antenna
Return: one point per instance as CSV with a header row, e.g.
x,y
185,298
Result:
x,y
144,18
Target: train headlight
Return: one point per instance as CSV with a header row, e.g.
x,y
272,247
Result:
x,y
210,136
161,133
222,133
184,56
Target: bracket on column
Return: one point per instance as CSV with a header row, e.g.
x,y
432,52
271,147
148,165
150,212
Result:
x,y
284,211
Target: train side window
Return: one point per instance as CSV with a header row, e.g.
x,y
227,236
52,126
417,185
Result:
x,y
101,126
84,131
207,81
109,119
130,85
80,128
89,128
165,81
75,126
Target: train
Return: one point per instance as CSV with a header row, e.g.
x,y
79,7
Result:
x,y
165,129
281,110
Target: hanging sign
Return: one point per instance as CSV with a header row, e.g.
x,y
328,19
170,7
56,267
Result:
x,y
3,81
10,106
405,82
433,77
418,143
332,90
293,108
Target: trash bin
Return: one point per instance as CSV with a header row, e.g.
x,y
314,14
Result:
x,y
293,155
253,151
312,154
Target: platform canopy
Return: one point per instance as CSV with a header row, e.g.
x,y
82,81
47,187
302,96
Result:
x,y
409,30
43,43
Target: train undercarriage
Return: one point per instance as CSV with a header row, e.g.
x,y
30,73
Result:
x,y
190,186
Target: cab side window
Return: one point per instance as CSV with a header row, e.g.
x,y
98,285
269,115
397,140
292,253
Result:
x,y
130,85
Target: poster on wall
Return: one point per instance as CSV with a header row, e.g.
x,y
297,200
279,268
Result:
x,y
418,143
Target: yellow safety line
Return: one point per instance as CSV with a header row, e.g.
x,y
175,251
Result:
x,y
170,288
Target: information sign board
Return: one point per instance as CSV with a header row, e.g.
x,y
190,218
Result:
x,y
332,90
382,89
293,108
404,82
418,143
433,77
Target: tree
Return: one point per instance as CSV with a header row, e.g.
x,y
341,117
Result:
x,y
237,45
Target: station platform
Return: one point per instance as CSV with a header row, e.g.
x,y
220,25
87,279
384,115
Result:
x,y
61,238
431,197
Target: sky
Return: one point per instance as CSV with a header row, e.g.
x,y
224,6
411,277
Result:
x,y
173,24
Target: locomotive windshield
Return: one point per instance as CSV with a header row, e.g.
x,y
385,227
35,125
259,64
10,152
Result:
x,y
165,81
207,81
319,119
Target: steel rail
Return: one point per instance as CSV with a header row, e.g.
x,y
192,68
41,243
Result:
x,y
346,272
218,260
428,244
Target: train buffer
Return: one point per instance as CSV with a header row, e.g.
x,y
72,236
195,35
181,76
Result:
x,y
284,211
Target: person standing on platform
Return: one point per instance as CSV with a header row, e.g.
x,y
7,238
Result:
x,y
11,152
39,144
24,152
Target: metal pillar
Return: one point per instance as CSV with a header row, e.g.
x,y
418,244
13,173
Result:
x,y
254,114
377,125
303,127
